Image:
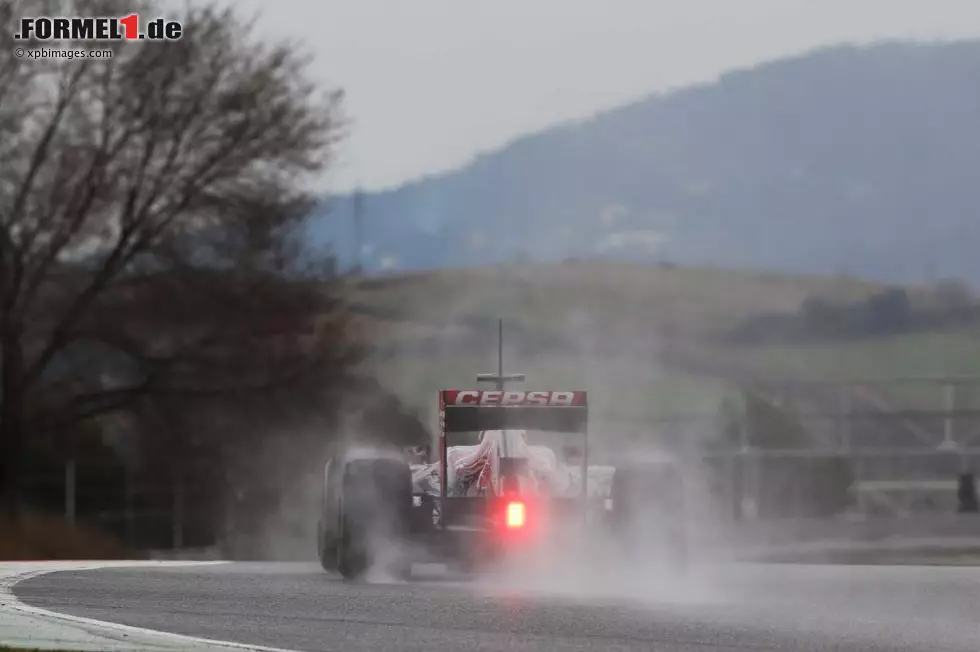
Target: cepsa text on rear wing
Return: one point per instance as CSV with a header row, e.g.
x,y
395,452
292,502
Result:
x,y
468,410
502,398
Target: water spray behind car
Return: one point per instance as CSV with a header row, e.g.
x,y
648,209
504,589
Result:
x,y
503,502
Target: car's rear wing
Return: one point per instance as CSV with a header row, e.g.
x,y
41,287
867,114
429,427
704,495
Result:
x,y
469,410
473,410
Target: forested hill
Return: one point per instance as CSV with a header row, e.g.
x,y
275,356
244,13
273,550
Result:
x,y
863,160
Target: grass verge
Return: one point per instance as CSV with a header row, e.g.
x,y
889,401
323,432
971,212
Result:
x,y
4,648
36,536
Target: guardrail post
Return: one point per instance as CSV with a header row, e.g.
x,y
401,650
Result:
x,y
745,492
967,495
130,508
735,463
178,511
70,489
949,406
844,402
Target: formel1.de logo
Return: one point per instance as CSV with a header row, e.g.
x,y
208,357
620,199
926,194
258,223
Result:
x,y
77,28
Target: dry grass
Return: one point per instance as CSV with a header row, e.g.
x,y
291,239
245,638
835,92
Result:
x,y
42,537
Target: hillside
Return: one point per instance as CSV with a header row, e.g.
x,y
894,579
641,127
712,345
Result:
x,y
650,343
862,160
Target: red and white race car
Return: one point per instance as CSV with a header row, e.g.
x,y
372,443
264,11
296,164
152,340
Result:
x,y
512,474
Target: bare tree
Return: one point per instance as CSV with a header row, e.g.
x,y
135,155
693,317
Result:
x,y
151,215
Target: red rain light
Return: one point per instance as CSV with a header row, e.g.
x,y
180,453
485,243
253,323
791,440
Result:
x,y
515,515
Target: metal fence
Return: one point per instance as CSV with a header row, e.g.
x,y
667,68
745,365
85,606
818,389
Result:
x,y
788,449
896,445
144,514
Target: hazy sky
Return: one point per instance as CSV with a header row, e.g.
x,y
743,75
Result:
x,y
431,83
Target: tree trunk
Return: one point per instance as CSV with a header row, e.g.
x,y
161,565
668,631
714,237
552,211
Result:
x,y
11,430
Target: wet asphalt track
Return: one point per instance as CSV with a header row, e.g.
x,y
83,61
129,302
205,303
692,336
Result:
x,y
764,607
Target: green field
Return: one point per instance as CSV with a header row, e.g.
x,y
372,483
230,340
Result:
x,y
643,340
906,369
695,301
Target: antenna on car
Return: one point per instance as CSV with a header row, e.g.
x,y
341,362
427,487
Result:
x,y
500,377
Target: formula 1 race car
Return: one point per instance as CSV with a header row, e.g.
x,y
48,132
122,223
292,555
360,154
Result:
x,y
512,474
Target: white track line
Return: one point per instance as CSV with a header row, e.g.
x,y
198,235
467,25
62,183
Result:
x,y
116,636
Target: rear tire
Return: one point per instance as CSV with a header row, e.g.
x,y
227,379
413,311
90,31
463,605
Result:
x,y
326,551
375,521
352,558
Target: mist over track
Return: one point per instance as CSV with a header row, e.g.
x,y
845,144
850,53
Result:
x,y
724,607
